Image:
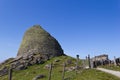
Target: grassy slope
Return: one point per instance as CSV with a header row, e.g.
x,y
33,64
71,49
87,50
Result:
x,y
32,71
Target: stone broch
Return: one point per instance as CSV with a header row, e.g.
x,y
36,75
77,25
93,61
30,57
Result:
x,y
37,47
37,40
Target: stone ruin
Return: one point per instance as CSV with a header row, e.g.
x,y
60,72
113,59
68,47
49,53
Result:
x,y
37,47
100,60
117,61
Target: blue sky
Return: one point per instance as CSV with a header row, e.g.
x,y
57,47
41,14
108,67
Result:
x,y
81,26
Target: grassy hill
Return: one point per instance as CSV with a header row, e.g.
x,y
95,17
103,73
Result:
x,y
82,74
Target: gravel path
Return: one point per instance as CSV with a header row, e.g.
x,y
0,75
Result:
x,y
116,73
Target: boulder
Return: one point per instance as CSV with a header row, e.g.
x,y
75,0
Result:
x,y
21,67
47,66
39,77
4,71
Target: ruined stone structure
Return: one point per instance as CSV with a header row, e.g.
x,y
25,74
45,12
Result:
x,y
37,47
117,60
100,57
37,40
100,60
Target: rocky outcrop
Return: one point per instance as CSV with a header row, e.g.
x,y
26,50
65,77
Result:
x,y
4,66
21,63
4,71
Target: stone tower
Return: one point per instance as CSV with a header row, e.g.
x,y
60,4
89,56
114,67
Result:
x,y
38,41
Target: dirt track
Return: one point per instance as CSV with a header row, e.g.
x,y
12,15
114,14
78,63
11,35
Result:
x,y
116,73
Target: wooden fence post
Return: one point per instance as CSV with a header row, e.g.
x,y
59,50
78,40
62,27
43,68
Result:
x,y
102,62
63,74
86,61
96,62
83,64
77,57
109,63
115,61
50,71
89,61
10,74
77,62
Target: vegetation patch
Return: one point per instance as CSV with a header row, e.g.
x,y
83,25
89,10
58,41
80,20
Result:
x,y
81,74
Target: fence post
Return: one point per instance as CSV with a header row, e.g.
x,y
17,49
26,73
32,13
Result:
x,y
50,71
109,63
96,62
102,62
86,61
83,64
115,61
77,62
63,74
89,61
10,74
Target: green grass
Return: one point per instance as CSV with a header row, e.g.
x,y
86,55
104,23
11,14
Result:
x,y
92,74
111,67
87,74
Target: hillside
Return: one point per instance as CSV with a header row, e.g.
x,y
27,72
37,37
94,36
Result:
x,y
82,74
